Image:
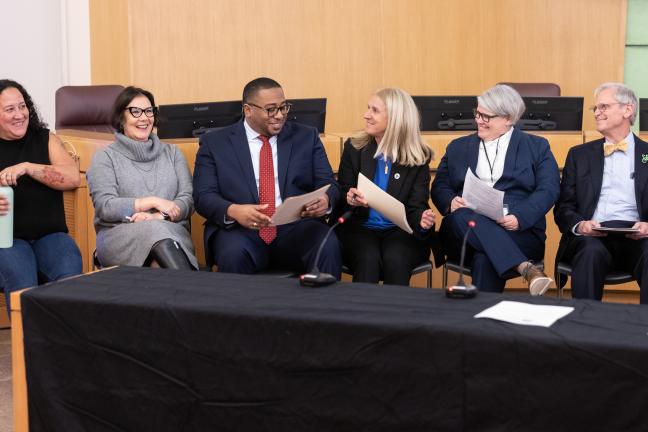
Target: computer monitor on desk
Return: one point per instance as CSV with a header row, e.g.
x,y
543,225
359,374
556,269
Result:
x,y
193,120
443,113
311,112
559,113
643,115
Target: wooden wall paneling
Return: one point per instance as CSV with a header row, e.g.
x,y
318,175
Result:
x,y
434,48
110,42
552,41
313,48
207,50
560,143
333,147
438,141
76,218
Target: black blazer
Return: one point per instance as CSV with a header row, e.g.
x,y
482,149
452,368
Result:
x,y
581,184
408,185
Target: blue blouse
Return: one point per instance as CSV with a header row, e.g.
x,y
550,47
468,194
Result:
x,y
376,220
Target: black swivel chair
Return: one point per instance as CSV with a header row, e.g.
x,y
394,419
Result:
x,y
612,278
425,266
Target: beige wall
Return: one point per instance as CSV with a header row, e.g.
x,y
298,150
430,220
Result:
x,y
206,50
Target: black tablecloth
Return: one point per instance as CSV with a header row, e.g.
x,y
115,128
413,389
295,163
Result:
x,y
134,349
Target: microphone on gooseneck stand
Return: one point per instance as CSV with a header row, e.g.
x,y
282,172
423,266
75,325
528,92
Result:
x,y
315,278
461,289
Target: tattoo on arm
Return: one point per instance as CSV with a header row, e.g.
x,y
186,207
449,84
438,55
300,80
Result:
x,y
49,175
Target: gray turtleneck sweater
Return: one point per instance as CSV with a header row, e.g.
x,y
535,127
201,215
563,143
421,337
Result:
x,y
127,170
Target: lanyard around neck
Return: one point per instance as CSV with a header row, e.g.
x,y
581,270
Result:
x,y
491,166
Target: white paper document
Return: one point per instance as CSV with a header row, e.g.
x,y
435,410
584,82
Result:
x,y
384,203
482,198
290,210
525,313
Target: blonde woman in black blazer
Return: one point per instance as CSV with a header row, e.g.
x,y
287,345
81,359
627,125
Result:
x,y
391,152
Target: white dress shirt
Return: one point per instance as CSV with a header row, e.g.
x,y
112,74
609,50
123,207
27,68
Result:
x,y
617,200
255,143
496,151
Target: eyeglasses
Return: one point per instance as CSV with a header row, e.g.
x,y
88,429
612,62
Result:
x,y
272,111
137,112
483,116
604,107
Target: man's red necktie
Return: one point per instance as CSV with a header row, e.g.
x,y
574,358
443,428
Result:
x,y
267,188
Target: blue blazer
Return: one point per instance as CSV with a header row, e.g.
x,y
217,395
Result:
x,y
530,181
223,174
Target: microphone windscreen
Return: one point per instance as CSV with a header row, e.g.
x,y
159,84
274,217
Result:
x,y
346,215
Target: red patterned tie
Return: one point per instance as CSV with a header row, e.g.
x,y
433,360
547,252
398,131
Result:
x,y
267,188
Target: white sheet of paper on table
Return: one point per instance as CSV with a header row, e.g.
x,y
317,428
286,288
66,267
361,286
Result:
x,y
525,313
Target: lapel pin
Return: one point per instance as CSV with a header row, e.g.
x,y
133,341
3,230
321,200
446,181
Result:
x,y
397,175
644,158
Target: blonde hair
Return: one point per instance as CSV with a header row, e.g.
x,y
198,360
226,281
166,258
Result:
x,y
402,142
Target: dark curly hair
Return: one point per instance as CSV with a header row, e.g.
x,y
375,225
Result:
x,y
35,122
123,99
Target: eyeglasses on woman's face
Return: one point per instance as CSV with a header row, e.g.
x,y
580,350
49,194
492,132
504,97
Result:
x,y
137,111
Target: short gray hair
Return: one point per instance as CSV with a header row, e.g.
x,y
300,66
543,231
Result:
x,y
623,94
504,101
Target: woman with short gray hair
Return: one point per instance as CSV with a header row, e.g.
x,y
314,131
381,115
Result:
x,y
519,164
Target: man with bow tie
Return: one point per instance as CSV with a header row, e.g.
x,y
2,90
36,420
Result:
x,y
604,184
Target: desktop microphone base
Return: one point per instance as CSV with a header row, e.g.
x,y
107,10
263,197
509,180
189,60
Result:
x,y
461,291
316,279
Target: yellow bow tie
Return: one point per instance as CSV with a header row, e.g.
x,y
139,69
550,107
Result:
x,y
608,149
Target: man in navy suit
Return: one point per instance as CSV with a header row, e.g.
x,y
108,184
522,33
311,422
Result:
x,y
244,171
604,184
512,161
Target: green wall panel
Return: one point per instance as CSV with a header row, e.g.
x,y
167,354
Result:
x,y
637,25
636,51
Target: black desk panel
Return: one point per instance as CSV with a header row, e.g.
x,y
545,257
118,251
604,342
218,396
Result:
x,y
134,349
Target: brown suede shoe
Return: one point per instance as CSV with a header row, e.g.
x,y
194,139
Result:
x,y
538,281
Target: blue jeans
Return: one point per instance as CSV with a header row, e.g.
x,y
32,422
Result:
x,y
51,257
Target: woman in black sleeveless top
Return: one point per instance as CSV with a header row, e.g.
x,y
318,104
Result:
x,y
34,162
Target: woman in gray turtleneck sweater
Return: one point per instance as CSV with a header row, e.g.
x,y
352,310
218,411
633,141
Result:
x,y
141,192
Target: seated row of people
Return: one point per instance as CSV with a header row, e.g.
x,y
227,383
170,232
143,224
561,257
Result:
x,y
143,194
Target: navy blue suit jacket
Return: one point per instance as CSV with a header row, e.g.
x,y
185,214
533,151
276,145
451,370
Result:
x,y
223,174
530,181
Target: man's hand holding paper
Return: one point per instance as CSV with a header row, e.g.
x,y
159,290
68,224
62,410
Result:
x,y
312,204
